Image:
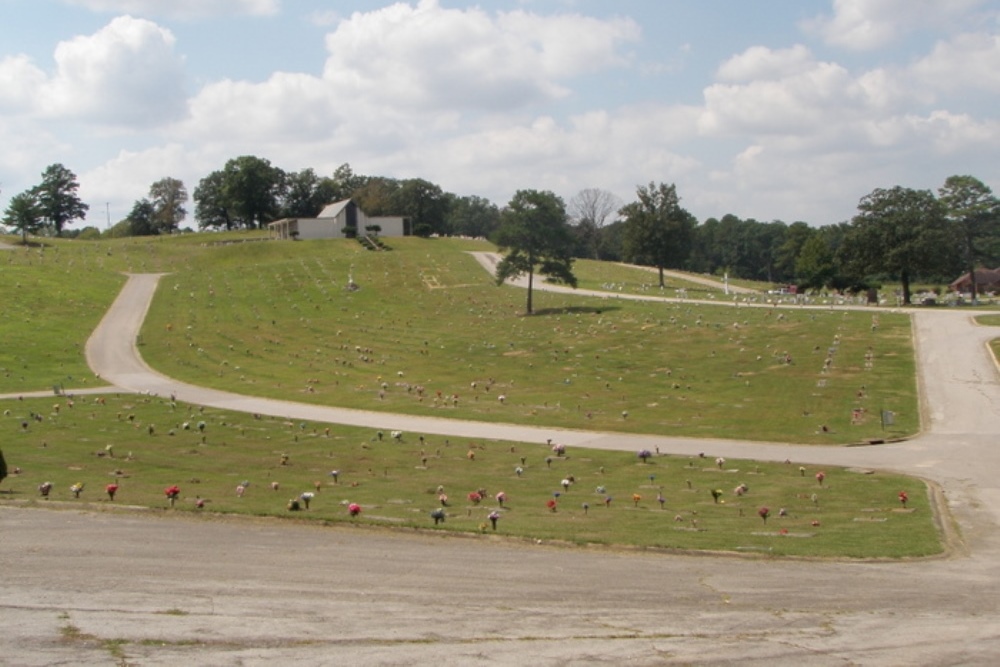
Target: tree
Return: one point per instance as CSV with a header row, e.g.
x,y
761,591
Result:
x,y
211,206
306,194
377,196
346,182
658,232
590,209
424,204
787,254
534,233
142,219
902,233
23,214
472,216
57,198
167,197
975,214
814,266
251,189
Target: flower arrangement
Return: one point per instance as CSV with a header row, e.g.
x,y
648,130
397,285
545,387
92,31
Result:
x,y
716,494
820,476
551,504
635,499
559,450
764,512
172,493
475,497
903,498
644,455
306,497
354,509
111,490
493,517
720,462
44,489
76,489
501,498
438,515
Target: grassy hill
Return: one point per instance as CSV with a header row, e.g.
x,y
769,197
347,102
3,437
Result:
x,y
428,332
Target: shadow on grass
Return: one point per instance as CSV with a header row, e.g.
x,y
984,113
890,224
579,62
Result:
x,y
19,243
575,310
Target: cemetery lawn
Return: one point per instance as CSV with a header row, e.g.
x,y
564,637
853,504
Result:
x,y
429,333
141,444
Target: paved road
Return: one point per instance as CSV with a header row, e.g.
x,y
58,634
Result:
x,y
226,592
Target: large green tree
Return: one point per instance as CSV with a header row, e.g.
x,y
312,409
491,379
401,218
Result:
x,y
23,214
472,216
975,214
57,198
168,196
142,219
425,204
211,208
901,233
658,232
252,188
306,193
536,238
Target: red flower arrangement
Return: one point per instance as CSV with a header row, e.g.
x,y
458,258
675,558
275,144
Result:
x,y
764,513
111,489
354,509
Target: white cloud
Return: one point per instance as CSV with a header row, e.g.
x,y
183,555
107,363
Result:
x,y
760,62
126,74
969,61
430,57
779,93
182,8
871,24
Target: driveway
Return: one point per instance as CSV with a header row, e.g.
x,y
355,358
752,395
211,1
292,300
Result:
x,y
147,589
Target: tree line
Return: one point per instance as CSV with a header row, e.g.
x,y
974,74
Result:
x,y
898,234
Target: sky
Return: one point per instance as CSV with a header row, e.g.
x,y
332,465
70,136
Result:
x,y
773,110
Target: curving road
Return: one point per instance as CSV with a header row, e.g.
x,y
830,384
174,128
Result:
x,y
92,588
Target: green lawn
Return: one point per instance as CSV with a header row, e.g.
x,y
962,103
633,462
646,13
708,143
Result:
x,y
142,445
430,333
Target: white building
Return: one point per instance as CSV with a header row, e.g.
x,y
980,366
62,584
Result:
x,y
332,220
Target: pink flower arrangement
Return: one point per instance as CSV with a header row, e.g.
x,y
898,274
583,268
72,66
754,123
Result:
x,y
354,509
501,498
111,489
820,476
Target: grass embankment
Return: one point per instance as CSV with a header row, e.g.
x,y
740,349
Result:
x,y
429,333
142,445
275,319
